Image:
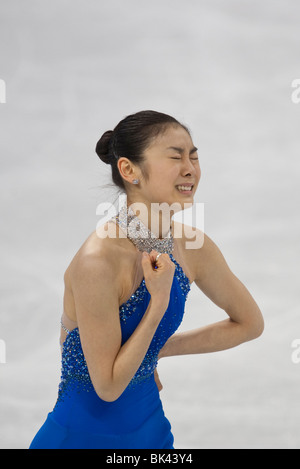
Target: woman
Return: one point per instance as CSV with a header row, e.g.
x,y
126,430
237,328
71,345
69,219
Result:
x,y
125,292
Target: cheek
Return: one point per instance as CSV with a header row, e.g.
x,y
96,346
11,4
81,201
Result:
x,y
162,176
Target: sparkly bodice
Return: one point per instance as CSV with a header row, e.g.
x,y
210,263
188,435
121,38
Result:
x,y
74,373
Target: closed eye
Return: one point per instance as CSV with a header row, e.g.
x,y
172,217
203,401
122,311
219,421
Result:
x,y
179,158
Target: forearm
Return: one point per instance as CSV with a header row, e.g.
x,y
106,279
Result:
x,y
211,338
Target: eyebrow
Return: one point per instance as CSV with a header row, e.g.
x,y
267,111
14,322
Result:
x,y
181,150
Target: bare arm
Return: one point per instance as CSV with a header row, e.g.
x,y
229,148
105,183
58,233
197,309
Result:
x,y
244,320
96,289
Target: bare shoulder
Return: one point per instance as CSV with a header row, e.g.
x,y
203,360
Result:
x,y
209,259
100,257
202,255
190,241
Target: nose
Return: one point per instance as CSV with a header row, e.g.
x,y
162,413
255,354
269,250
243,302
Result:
x,y
188,168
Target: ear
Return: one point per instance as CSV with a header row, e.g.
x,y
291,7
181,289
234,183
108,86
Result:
x,y
127,169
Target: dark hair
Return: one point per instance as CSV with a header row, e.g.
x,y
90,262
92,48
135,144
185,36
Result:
x,y
130,138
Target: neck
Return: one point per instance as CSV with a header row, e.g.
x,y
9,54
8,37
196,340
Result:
x,y
157,220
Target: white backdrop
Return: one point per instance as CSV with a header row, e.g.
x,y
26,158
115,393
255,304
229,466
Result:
x,y
73,69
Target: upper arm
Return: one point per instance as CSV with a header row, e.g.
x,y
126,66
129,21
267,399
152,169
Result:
x,y
96,293
217,281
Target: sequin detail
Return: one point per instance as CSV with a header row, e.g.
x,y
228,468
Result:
x,y
73,365
74,370
130,307
181,277
140,235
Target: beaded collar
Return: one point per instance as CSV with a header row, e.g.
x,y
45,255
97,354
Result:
x,y
140,235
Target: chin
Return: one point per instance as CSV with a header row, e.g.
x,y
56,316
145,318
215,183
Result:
x,y
182,202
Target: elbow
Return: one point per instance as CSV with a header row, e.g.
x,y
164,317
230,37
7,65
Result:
x,y
108,397
256,328
107,387
107,394
261,327
250,329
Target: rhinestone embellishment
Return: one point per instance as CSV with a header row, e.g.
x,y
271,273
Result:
x,y
140,235
74,370
74,373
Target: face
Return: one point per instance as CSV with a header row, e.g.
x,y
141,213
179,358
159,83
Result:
x,y
173,169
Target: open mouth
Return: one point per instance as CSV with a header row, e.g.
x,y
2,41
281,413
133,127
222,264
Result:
x,y
185,189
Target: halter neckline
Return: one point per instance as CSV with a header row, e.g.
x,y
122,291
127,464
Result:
x,y
140,235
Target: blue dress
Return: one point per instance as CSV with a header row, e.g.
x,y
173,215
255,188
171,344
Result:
x,y
81,420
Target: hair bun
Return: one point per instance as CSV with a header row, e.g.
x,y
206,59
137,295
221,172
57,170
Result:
x,y
103,147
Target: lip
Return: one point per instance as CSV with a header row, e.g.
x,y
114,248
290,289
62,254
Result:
x,y
187,184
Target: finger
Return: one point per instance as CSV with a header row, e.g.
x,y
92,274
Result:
x,y
158,256
153,254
